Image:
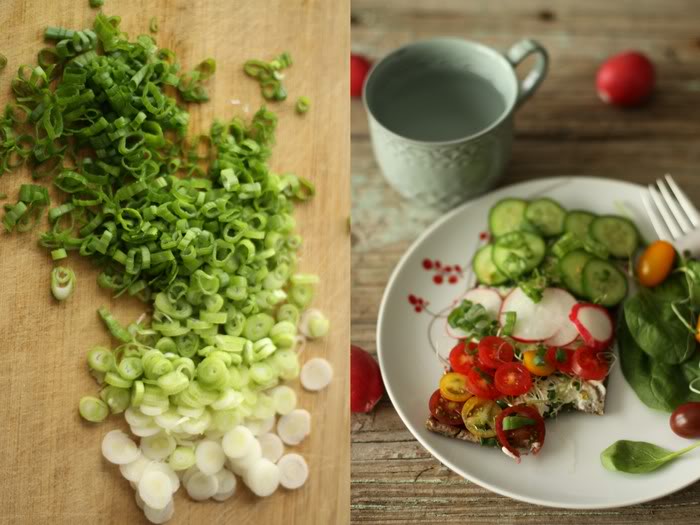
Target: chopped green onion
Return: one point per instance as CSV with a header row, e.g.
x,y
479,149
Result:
x,y
153,25
58,254
303,105
62,282
93,409
509,323
3,61
269,75
97,3
114,327
515,422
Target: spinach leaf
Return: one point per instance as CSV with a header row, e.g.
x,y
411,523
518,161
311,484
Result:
x,y
638,457
655,326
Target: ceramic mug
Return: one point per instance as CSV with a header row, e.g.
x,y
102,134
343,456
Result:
x,y
441,115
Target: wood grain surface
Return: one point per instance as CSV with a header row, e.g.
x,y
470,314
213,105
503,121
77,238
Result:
x,y
50,460
563,130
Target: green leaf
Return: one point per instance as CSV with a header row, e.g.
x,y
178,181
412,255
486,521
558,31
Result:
x,y
638,457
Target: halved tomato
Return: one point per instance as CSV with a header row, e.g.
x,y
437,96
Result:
x,y
537,363
494,351
453,386
463,356
480,383
561,358
445,411
589,364
530,432
512,379
479,416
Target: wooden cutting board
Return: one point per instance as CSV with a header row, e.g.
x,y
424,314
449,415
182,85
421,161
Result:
x,y
50,460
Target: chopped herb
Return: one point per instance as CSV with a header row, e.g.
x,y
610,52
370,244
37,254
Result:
x,y
303,104
97,3
269,75
153,25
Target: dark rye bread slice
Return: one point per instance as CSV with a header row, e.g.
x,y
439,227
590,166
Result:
x,y
590,399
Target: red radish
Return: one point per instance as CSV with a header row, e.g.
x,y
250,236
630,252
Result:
x,y
359,67
366,387
489,298
594,324
626,79
567,334
538,321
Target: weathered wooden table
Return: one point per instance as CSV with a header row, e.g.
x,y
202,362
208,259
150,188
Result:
x,y
563,130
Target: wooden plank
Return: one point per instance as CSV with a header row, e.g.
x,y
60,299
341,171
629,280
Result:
x,y
51,461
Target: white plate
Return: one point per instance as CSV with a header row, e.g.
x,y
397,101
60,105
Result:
x,y
567,473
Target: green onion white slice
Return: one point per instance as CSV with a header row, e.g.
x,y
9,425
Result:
x,y
260,426
155,489
284,398
294,427
159,516
182,458
241,465
134,470
167,470
293,471
226,483
209,457
238,442
201,487
262,477
158,447
118,448
316,374
272,446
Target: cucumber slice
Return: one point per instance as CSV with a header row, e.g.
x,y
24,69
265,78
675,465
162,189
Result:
x,y
571,269
603,282
617,234
517,253
578,222
547,216
485,269
507,215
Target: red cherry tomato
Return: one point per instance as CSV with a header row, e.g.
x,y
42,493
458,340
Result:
x,y
528,437
359,67
685,420
445,411
589,364
561,358
494,351
366,387
512,379
464,356
626,79
481,383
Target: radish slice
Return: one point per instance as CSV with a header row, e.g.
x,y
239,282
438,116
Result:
x,y
316,374
568,333
237,442
118,448
209,457
155,489
134,470
293,471
489,298
260,426
201,487
241,465
272,446
538,321
226,483
167,470
158,446
262,478
294,427
159,515
284,399
594,324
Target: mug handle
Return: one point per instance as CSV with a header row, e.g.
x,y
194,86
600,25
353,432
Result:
x,y
519,52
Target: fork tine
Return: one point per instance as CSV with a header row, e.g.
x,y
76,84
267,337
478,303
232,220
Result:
x,y
672,205
659,227
665,214
684,201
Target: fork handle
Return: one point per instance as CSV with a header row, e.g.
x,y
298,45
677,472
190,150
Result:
x,y
689,242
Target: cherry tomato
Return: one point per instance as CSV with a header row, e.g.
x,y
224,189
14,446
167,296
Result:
x,y
589,364
512,379
359,67
626,79
494,351
537,363
655,263
531,436
445,411
479,416
464,356
453,386
685,420
561,358
480,383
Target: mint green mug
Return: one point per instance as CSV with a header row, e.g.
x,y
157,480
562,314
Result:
x,y
441,115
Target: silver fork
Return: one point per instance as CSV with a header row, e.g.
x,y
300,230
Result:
x,y
673,216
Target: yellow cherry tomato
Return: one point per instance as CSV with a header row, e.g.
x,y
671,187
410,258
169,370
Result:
x,y
537,363
655,263
453,386
479,416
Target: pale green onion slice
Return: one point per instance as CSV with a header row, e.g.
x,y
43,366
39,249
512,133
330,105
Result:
x,y
181,458
93,409
62,283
